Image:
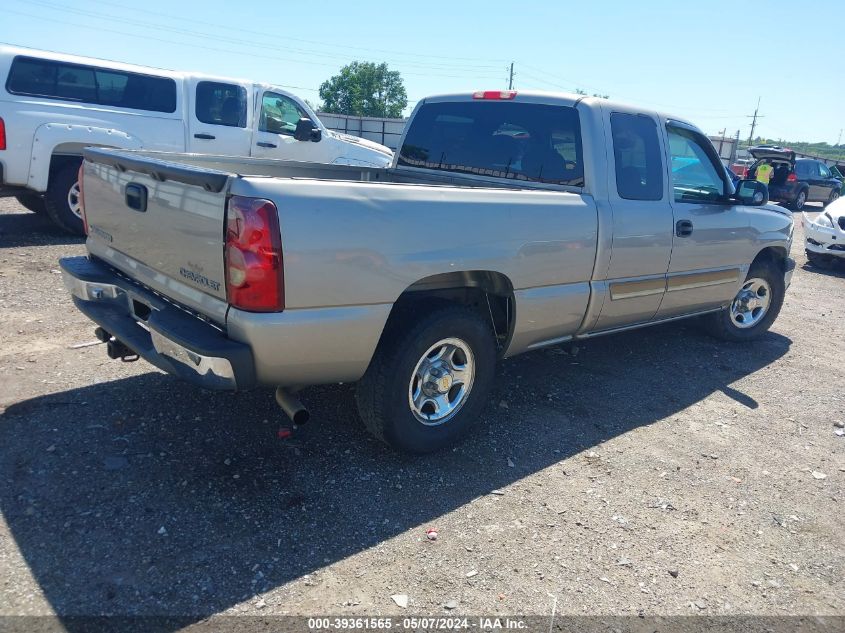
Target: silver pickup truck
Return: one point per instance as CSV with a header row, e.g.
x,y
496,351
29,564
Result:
x,y
507,222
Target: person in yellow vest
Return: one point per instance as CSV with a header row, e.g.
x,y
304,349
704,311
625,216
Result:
x,y
764,173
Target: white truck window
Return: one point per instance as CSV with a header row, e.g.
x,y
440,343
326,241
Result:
x,y
521,141
279,114
34,77
221,104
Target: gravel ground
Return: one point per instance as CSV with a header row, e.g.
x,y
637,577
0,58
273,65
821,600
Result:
x,y
658,472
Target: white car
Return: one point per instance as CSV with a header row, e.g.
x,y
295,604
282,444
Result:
x,y
52,106
825,235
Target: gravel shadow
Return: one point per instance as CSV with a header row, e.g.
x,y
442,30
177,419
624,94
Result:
x,y
147,496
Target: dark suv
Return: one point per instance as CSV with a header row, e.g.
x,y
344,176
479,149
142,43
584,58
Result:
x,y
795,181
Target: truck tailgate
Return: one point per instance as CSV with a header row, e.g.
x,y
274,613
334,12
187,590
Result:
x,y
161,223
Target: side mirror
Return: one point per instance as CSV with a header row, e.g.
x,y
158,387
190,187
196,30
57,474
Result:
x,y
307,131
752,193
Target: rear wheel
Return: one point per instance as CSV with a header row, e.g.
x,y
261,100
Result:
x,y
62,200
32,201
834,196
800,200
429,380
754,308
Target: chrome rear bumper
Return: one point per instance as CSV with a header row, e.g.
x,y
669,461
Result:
x,y
162,333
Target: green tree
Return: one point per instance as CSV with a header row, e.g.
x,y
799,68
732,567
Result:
x,y
365,89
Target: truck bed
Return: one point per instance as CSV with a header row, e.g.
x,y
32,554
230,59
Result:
x,y
353,241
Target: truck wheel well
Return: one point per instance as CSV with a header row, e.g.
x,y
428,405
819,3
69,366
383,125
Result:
x,y
58,162
773,254
489,292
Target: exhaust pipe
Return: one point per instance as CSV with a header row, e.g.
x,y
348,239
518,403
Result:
x,y
292,407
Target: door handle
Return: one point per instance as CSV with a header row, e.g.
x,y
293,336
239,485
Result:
x,y
263,144
205,136
683,228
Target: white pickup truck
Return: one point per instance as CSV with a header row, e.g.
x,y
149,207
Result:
x,y
508,222
54,105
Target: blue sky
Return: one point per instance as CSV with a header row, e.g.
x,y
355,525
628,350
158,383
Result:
x,y
698,60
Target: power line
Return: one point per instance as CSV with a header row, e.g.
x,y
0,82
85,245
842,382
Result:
x,y
275,36
249,43
147,37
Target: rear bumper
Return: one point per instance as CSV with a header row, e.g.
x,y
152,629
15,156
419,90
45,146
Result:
x,y
165,335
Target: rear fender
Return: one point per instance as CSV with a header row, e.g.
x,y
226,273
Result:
x,y
69,140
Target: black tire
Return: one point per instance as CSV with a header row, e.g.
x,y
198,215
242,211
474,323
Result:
x,y
800,200
32,201
825,262
382,395
56,200
722,325
834,196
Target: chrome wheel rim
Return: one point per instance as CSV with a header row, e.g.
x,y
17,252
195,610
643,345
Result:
x,y
802,198
441,381
73,200
751,303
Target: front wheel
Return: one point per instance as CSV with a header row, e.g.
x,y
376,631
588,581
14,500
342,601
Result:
x,y
834,196
754,308
429,379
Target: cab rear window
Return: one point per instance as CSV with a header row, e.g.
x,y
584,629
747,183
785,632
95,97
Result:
x,y
49,79
504,139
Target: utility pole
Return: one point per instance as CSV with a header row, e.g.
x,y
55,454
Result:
x,y
722,140
839,143
510,78
754,118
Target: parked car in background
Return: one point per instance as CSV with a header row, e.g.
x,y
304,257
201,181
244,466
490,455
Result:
x,y
53,105
508,222
741,165
836,170
825,235
795,181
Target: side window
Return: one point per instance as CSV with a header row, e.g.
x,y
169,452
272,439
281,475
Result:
x,y
279,114
636,152
221,104
824,171
802,169
88,84
75,83
697,173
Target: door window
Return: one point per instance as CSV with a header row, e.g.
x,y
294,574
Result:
x,y
697,173
279,114
221,104
824,171
636,152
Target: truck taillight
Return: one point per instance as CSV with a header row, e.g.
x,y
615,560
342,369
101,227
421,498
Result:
x,y
255,279
792,178
495,95
82,197
2,133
